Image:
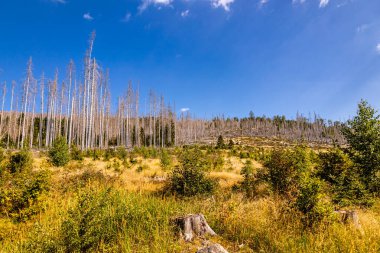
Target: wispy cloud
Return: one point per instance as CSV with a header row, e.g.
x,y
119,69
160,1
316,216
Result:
x,y
362,28
378,48
87,16
185,13
58,1
146,3
262,3
323,3
298,1
185,109
225,4
126,17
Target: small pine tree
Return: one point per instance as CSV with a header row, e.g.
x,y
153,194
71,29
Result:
x,y
220,142
59,153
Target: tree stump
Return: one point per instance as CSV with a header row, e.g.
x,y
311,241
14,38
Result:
x,y
347,216
213,248
193,225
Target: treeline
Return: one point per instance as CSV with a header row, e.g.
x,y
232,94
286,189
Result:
x,y
79,109
311,129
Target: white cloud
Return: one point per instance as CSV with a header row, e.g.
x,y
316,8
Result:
x,y
225,4
185,109
362,28
378,48
58,1
185,13
145,4
87,16
298,1
262,3
323,3
127,17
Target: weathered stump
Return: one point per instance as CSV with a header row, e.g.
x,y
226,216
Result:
x,y
213,248
193,225
350,216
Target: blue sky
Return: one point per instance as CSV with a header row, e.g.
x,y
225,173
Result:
x,y
212,56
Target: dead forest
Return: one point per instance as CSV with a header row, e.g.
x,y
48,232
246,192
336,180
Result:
x,y
78,106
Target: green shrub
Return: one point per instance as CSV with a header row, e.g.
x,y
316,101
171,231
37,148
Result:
x,y
220,142
363,136
286,168
20,194
121,153
346,186
217,161
75,153
195,158
95,154
189,178
312,203
59,153
188,182
142,168
20,161
165,159
108,154
249,183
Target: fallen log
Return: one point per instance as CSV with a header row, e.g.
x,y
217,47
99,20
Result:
x,y
193,225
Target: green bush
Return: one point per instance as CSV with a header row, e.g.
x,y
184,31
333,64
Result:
x,y
165,159
347,189
20,161
312,203
286,168
363,136
108,154
20,193
121,153
59,153
75,153
195,158
189,181
249,183
220,142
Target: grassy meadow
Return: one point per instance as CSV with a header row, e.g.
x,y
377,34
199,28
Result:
x,y
115,201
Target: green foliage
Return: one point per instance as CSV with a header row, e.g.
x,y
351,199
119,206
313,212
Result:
x,y
121,153
286,168
165,159
142,168
193,157
311,202
336,168
220,142
363,136
20,161
189,179
87,225
109,220
291,175
231,144
95,154
249,183
59,153
75,153
21,192
108,154
188,182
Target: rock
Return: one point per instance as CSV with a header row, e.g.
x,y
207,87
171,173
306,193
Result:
x,y
213,248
